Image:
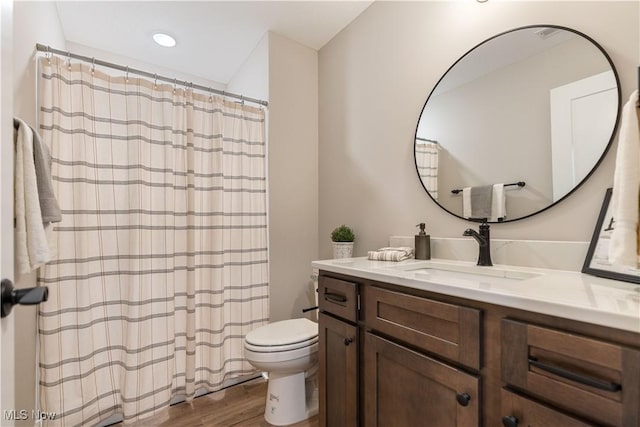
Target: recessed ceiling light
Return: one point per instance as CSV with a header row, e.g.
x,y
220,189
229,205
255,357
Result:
x,y
164,39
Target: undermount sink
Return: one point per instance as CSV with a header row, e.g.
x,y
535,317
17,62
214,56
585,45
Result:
x,y
430,269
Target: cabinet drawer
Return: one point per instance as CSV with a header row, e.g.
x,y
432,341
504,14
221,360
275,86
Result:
x,y
338,297
594,379
519,411
448,330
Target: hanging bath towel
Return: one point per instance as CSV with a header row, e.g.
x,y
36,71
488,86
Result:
x,y
626,183
31,245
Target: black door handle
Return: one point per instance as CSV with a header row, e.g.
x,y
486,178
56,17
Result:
x,y
348,341
572,376
27,296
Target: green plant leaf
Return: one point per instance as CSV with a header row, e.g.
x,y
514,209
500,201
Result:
x,y
343,234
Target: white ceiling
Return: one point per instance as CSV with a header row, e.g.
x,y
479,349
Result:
x,y
214,37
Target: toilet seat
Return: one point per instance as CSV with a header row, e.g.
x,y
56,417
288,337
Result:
x,y
284,335
278,348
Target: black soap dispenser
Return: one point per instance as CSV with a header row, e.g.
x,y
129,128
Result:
x,y
423,243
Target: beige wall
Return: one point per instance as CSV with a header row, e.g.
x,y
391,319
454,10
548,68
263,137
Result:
x,y
374,78
34,22
285,73
293,175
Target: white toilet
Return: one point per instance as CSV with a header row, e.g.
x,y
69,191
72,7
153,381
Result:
x,y
288,351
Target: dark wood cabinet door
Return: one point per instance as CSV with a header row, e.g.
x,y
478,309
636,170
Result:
x,y
406,388
338,372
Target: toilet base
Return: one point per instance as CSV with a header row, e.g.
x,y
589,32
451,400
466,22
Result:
x,y
290,398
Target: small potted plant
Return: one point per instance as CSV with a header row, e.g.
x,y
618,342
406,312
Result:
x,y
342,238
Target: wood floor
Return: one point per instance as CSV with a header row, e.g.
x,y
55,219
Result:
x,y
239,406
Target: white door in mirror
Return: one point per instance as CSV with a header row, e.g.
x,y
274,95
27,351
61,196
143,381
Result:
x,y
581,114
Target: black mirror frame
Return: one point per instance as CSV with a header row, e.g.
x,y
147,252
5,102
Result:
x,y
604,153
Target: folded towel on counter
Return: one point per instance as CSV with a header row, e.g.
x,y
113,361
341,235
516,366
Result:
x,y
391,254
623,248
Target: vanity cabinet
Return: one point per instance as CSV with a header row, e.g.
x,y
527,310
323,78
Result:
x,y
338,352
430,359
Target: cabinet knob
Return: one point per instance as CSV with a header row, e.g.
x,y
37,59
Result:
x,y
463,398
509,421
348,341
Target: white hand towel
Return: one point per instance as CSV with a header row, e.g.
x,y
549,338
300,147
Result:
x,y
626,183
498,203
391,254
31,246
466,202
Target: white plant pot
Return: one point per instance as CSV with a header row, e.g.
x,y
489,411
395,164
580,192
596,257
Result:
x,y
342,249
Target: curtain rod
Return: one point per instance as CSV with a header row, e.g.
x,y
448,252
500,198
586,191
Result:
x,y
93,61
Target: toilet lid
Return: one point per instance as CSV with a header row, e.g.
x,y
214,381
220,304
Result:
x,y
283,332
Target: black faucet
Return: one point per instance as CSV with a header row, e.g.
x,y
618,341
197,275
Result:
x,y
484,241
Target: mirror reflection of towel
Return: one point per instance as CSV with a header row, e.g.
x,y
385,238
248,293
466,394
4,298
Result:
x,y
489,202
481,198
498,203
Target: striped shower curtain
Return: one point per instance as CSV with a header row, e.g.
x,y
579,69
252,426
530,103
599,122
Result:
x,y
162,262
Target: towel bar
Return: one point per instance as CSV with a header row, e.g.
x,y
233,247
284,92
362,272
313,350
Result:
x,y
519,184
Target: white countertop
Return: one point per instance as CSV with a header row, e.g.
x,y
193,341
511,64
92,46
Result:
x,y
565,294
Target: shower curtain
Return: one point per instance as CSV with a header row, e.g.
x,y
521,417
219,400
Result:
x,y
162,261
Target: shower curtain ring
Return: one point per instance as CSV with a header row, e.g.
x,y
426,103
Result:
x,y
210,94
155,80
48,54
69,60
126,76
93,65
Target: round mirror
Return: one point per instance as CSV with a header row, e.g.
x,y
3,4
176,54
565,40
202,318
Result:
x,y
517,123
